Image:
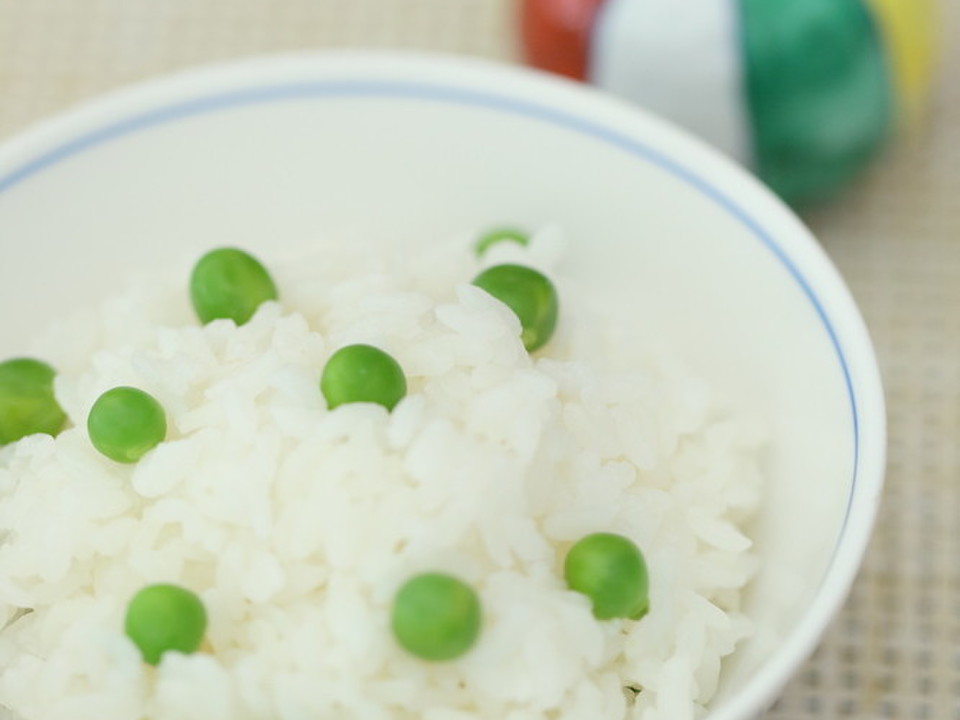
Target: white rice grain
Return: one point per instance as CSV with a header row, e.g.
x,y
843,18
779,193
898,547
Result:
x,y
296,524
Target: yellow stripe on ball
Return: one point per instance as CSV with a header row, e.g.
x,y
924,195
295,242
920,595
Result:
x,y
909,27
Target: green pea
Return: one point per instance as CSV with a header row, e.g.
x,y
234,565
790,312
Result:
x,y
229,283
362,373
529,294
500,235
610,570
161,618
125,423
27,404
436,617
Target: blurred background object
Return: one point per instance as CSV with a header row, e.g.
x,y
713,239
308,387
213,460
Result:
x,y
805,92
894,652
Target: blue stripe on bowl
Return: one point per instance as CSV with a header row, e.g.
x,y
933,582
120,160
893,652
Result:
x,y
457,96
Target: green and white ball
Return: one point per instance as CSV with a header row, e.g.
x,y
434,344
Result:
x,y
805,92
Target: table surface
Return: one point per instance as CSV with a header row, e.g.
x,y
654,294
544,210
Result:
x,y
894,650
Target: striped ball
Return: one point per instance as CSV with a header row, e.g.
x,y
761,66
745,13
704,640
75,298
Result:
x,y
805,92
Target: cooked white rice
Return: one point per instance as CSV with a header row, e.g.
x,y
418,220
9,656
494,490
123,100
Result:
x,y
296,525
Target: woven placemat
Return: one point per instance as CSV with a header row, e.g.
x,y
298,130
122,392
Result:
x,y
894,651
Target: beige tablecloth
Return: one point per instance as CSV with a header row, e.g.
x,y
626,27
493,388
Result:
x,y
894,652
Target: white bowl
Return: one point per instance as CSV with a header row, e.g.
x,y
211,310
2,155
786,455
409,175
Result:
x,y
272,153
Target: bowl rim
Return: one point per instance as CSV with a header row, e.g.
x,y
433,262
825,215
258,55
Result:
x,y
437,77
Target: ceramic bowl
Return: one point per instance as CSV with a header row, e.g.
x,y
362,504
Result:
x,y
297,151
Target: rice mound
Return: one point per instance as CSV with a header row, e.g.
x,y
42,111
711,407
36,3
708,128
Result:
x,y
296,524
